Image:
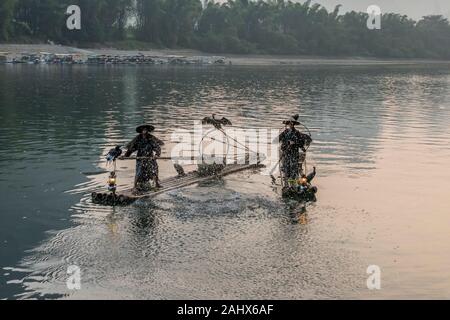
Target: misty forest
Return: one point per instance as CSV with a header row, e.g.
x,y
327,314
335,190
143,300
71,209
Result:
x,y
240,26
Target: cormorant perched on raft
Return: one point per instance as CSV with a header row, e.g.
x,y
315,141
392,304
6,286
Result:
x,y
217,123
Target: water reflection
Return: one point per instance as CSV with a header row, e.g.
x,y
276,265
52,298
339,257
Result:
x,y
298,213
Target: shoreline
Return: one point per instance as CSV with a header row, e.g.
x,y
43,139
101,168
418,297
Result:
x,y
15,50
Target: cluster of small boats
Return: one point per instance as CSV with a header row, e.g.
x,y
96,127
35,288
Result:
x,y
142,59
42,58
79,58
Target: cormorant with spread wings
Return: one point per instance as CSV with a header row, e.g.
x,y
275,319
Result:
x,y
217,123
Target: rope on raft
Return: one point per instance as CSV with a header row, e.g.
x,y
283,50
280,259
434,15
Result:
x,y
239,145
220,141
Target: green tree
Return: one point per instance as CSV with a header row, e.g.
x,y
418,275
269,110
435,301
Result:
x,y
149,18
434,34
6,17
179,21
101,20
42,18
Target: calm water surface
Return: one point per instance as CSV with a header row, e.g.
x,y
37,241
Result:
x,y
382,137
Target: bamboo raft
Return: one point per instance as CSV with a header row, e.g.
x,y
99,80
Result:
x,y
127,197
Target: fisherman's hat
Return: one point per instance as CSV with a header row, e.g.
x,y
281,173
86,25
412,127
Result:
x,y
293,120
149,128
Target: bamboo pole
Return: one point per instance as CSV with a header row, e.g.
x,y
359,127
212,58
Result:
x,y
158,158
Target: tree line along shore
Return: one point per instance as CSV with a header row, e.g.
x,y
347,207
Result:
x,y
233,27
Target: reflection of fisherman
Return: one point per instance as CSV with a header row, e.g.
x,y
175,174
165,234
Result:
x,y
148,149
292,141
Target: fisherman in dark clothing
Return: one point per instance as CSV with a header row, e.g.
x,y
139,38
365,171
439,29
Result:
x,y
292,141
148,149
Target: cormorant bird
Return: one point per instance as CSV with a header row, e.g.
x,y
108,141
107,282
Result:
x,y
179,170
217,123
113,154
311,176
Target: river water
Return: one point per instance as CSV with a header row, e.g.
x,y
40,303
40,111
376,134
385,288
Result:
x,y
381,147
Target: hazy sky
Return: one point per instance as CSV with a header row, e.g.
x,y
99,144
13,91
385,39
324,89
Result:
x,y
413,8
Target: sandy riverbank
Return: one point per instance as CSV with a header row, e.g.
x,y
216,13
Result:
x,y
244,60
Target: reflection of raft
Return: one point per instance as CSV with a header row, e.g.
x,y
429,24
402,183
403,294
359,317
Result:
x,y
127,197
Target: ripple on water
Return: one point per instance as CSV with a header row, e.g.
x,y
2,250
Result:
x,y
225,240
190,244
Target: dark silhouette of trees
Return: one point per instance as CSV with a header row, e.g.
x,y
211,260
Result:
x,y
236,26
6,18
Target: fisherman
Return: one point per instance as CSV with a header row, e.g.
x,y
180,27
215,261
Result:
x,y
148,149
292,141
